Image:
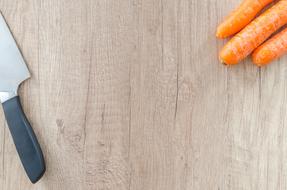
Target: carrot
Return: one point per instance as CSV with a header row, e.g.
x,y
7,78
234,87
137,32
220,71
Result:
x,y
271,49
254,34
240,17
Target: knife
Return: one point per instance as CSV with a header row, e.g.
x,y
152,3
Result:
x,y
13,71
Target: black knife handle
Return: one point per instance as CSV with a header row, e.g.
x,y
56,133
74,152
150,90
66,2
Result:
x,y
25,139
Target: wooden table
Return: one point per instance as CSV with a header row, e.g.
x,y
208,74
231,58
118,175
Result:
x,y
130,95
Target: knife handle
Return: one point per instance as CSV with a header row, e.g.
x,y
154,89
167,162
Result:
x,y
25,139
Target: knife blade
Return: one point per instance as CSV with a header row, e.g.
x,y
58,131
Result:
x,y
13,71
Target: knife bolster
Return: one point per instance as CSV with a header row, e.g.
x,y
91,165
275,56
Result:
x,y
5,96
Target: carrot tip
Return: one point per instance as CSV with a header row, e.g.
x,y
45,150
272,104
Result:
x,y
219,35
222,62
257,61
258,64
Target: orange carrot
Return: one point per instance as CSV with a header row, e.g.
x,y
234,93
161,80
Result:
x,y
240,17
271,49
254,34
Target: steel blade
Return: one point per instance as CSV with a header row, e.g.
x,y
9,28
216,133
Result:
x,y
13,69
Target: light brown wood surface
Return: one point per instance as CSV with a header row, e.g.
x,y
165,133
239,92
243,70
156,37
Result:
x,y
129,95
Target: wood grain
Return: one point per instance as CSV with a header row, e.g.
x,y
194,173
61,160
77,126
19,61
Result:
x,y
129,95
